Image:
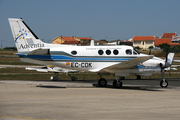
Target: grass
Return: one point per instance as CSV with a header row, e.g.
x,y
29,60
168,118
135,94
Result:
x,y
7,52
22,74
12,61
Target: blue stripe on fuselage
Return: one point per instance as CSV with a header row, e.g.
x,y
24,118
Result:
x,y
142,67
66,58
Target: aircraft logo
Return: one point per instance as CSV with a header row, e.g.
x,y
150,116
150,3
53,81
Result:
x,y
21,33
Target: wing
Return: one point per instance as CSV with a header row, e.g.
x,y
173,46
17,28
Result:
x,y
126,65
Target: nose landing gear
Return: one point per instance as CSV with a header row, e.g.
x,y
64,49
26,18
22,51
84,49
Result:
x,y
164,82
117,83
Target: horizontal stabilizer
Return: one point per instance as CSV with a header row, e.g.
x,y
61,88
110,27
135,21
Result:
x,y
53,69
38,69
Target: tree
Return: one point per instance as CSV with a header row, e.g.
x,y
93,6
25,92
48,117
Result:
x,y
138,48
10,48
151,47
104,40
165,47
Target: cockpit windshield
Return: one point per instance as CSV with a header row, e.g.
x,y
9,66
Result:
x,y
135,51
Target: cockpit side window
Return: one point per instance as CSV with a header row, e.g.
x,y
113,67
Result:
x,y
129,52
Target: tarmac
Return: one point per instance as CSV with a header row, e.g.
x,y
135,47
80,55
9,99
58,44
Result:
x,y
84,100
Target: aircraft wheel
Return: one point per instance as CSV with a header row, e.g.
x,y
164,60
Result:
x,y
74,78
164,83
117,85
102,82
54,78
138,77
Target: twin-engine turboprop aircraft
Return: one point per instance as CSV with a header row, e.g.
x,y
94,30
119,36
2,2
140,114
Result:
x,y
119,60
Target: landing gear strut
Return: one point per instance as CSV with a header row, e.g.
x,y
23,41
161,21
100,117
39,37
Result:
x,y
164,82
73,78
54,77
117,83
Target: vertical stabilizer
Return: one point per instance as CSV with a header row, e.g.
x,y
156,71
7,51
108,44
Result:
x,y
170,58
24,37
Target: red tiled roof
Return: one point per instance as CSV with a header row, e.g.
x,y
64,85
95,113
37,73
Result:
x,y
175,43
144,38
159,41
70,42
84,38
68,39
168,35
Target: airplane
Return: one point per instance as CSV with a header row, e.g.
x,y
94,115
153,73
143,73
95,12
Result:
x,y
119,60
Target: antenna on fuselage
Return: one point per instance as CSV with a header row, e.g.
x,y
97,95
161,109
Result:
x,y
92,43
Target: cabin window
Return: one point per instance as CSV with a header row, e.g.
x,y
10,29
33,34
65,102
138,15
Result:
x,y
116,52
108,52
100,52
74,52
129,52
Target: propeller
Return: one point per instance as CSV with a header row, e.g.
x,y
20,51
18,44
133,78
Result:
x,y
166,62
149,51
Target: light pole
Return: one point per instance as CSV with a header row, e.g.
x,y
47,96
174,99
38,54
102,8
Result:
x,y
1,43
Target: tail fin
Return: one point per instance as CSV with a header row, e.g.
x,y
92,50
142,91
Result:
x,y
170,58
24,37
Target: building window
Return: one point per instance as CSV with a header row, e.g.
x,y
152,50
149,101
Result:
x,y
137,42
143,43
148,42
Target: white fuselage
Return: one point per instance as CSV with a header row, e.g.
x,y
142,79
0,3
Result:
x,y
94,58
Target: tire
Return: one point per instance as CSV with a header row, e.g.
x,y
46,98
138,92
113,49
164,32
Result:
x,y
116,85
138,77
164,84
102,82
74,78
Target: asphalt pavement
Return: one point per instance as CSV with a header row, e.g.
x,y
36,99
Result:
x,y
84,99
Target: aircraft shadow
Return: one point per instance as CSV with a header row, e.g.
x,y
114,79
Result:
x,y
49,86
144,88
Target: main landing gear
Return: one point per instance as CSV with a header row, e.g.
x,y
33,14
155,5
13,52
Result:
x,y
102,82
116,83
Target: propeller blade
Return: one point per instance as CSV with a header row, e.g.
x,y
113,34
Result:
x,y
167,52
149,51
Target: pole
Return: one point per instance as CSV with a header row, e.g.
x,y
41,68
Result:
x,y
1,44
